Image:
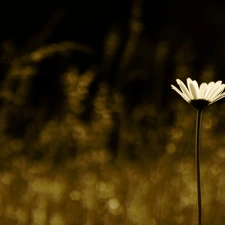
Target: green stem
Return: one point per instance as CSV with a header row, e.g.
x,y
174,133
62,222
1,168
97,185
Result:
x,y
197,161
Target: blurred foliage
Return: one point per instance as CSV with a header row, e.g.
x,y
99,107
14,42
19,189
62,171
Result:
x,y
86,141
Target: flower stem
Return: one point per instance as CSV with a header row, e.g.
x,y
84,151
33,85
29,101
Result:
x,y
197,161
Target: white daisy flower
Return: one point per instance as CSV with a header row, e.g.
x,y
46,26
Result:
x,y
200,96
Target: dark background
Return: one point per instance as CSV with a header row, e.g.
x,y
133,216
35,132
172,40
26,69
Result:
x,y
197,24
154,41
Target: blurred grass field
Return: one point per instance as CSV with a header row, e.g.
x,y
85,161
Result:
x,y
101,164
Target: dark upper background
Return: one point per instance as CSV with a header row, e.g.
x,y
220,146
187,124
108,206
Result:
x,y
176,36
191,24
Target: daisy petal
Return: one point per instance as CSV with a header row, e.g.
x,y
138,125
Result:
x,y
213,89
217,91
202,90
194,91
196,88
180,93
189,80
218,98
208,89
184,89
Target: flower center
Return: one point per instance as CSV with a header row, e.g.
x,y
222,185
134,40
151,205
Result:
x,y
199,103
